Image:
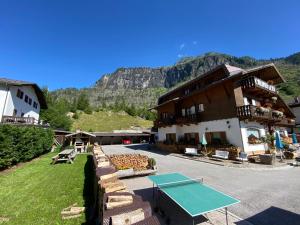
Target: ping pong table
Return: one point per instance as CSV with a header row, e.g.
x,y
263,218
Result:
x,y
192,195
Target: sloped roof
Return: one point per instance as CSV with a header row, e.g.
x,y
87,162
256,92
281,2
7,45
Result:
x,y
231,71
81,132
38,91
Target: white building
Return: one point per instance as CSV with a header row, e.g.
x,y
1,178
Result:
x,y
20,101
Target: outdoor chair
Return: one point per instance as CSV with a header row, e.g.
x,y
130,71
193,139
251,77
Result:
x,y
243,157
191,151
221,154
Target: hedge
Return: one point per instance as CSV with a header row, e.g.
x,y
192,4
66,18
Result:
x,y
23,143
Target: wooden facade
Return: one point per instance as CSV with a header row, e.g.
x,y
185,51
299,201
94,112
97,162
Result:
x,y
223,93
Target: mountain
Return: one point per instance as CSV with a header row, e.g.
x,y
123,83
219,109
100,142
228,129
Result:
x,y
141,86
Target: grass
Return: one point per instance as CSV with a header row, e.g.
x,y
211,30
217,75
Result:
x,y
108,121
36,192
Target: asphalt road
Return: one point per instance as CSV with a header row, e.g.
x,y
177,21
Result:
x,y
268,197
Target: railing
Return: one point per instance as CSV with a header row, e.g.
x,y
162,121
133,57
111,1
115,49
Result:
x,y
164,122
259,113
18,120
253,82
288,122
193,118
188,119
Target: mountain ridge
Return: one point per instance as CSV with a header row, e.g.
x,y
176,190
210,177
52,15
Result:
x,y
141,86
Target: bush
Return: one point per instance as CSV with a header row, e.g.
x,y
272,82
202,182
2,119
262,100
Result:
x,y
151,162
23,143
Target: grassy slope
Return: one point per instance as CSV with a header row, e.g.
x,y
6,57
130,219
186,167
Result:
x,y
108,121
37,192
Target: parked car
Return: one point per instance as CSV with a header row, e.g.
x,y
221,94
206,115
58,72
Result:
x,y
126,142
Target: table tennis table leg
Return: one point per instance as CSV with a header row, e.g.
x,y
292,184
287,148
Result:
x,y
226,216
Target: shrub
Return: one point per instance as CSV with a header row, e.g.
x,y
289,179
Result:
x,y
23,143
151,162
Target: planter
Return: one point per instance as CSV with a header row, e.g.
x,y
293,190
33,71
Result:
x,y
267,159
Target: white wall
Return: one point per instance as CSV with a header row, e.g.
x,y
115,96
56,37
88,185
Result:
x,y
3,92
232,129
252,147
13,102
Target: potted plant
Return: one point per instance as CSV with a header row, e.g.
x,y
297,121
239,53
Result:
x,y
152,163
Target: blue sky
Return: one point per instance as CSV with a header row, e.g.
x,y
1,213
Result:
x,y
70,43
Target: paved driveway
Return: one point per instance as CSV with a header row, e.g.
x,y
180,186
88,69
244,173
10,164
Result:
x,y
268,197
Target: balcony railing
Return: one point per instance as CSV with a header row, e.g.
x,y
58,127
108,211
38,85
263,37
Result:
x,y
193,118
286,122
164,122
259,113
188,119
254,82
18,120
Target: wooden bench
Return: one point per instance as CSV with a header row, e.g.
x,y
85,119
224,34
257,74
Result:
x,y
221,154
191,151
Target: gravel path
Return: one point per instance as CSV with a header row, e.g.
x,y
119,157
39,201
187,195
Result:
x,y
268,197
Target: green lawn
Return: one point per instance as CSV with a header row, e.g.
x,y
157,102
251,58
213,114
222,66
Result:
x,y
108,121
36,192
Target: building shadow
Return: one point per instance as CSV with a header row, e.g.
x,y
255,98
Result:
x,y
90,192
147,148
274,216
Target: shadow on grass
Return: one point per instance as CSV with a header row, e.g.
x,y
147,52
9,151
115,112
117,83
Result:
x,y
89,191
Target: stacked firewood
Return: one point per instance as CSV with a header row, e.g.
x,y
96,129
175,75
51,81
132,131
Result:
x,y
126,161
118,197
73,211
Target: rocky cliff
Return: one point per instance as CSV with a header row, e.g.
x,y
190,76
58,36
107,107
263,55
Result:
x,y
141,86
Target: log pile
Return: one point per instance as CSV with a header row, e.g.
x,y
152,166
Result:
x,y
128,218
136,161
119,200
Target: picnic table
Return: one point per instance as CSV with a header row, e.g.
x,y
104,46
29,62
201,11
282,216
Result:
x,y
67,155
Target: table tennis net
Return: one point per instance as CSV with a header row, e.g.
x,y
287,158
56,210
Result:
x,y
180,183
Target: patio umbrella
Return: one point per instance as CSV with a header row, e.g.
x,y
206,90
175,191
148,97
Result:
x,y
278,143
204,142
294,137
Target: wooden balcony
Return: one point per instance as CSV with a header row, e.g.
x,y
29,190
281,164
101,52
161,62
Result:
x,y
18,120
164,122
188,119
259,113
256,85
286,122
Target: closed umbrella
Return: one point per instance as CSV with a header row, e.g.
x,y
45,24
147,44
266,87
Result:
x,y
204,143
294,137
278,143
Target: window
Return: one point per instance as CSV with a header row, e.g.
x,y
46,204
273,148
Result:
x,y
216,138
253,135
35,105
170,138
200,107
183,112
193,111
188,111
26,98
29,101
20,94
191,138
186,91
